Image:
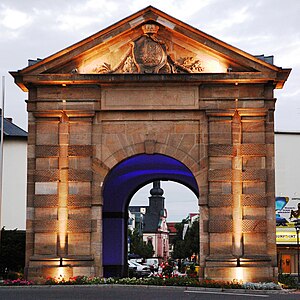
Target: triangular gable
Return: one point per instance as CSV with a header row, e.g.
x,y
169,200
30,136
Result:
x,y
149,48
151,41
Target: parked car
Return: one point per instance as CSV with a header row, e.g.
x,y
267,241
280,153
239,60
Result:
x,y
141,270
153,263
132,270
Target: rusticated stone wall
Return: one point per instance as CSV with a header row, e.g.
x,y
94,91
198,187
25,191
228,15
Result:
x,y
222,132
240,206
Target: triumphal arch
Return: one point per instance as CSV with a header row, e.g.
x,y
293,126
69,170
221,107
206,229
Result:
x,y
149,98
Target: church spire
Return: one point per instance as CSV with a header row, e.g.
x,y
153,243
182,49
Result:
x,y
156,190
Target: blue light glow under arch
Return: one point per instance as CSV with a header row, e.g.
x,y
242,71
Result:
x,y
119,186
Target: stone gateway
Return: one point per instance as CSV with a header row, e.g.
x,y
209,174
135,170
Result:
x,y
149,98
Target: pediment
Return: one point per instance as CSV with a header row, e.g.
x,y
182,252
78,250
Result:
x,y
149,48
150,41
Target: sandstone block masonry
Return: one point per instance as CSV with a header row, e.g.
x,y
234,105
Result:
x,y
92,106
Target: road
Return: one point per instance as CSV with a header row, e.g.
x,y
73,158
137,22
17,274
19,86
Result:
x,y
114,292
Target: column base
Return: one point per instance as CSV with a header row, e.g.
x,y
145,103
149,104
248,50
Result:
x,y
254,269
40,268
241,274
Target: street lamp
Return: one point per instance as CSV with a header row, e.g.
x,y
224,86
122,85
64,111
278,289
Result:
x,y
297,227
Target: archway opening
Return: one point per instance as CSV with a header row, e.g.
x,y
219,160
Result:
x,y
179,199
121,183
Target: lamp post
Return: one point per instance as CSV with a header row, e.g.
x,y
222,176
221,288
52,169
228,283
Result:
x,y
297,227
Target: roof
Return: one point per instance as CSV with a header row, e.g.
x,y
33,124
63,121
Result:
x,y
193,215
12,130
100,57
171,226
137,208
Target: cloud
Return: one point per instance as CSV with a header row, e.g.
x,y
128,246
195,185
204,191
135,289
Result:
x,y
230,19
34,28
177,9
12,22
71,23
84,14
107,7
14,19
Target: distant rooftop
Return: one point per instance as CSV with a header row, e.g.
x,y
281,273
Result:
x,y
268,59
32,62
12,130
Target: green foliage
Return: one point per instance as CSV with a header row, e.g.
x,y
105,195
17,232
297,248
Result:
x,y
14,275
12,251
287,281
158,280
190,245
138,246
191,271
167,270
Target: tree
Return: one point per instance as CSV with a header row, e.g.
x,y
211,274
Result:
x,y
12,251
148,249
188,246
138,246
192,239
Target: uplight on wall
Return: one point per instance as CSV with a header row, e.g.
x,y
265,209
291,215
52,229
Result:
x,y
239,274
61,273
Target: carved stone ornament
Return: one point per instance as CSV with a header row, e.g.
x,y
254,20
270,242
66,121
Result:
x,y
191,64
149,55
104,68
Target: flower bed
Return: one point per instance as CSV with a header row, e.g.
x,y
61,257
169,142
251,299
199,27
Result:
x,y
17,282
165,281
155,280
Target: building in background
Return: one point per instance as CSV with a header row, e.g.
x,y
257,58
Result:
x,y
187,223
151,222
13,212
172,235
287,167
136,218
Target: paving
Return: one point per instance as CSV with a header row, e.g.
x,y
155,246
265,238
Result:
x,y
114,292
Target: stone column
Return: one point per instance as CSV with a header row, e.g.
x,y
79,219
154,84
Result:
x,y
63,167
202,180
31,165
237,185
223,170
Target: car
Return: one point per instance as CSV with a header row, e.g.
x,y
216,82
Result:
x,y
141,270
153,263
132,270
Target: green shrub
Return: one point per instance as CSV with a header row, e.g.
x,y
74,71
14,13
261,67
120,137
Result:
x,y
163,280
14,275
288,281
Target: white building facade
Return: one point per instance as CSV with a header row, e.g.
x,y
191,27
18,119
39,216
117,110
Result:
x,y
13,210
287,188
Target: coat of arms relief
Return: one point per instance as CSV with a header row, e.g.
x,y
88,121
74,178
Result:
x,y
148,54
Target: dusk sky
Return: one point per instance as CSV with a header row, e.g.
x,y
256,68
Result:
x,y
36,29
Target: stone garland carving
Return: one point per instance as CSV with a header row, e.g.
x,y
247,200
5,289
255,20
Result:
x,y
191,64
149,55
129,65
104,68
188,65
